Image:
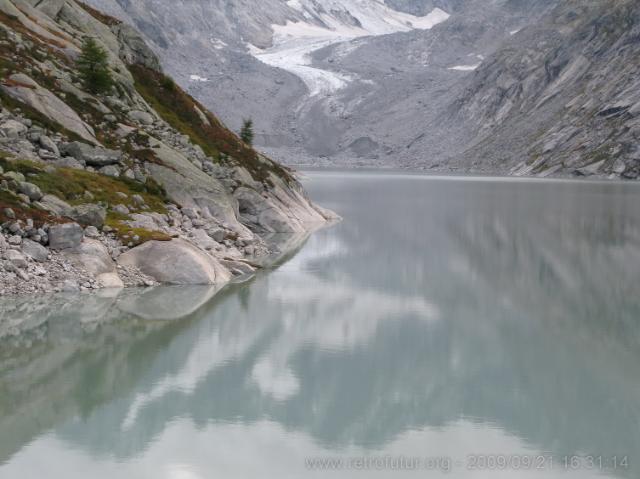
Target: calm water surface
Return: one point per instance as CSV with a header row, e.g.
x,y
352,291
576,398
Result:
x,y
443,320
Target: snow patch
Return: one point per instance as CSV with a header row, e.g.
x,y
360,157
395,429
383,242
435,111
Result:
x,y
295,4
294,42
464,68
296,59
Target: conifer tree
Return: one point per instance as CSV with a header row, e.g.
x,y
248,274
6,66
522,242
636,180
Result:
x,y
246,134
93,67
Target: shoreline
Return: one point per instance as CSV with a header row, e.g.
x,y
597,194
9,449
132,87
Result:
x,y
457,174
28,268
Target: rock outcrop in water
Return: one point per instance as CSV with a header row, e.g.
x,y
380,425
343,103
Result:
x,y
93,186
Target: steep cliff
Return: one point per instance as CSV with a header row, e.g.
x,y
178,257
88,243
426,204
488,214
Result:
x,y
562,97
148,176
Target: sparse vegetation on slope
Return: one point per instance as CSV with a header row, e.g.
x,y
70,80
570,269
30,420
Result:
x,y
189,117
91,167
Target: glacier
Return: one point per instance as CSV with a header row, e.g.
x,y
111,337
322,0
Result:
x,y
329,22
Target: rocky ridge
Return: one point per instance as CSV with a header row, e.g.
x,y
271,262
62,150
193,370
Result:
x,y
136,187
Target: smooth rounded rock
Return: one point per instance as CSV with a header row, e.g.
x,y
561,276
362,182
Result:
x,y
176,262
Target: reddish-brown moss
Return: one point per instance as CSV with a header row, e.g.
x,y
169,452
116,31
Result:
x,y
24,212
178,109
100,16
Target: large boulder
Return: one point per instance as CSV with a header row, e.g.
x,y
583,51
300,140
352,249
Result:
x,y
176,262
31,190
93,257
89,215
48,144
141,117
12,128
34,250
92,156
65,236
24,89
55,205
16,258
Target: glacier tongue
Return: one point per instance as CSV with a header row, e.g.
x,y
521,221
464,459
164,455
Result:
x,y
328,22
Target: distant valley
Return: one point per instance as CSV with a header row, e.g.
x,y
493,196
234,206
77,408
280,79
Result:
x,y
495,86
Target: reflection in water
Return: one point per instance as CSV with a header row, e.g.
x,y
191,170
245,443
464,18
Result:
x,y
441,317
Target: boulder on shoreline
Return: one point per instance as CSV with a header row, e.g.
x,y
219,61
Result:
x,y
176,262
93,257
65,236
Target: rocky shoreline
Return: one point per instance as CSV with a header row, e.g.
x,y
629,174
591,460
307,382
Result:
x,y
139,185
94,260
74,249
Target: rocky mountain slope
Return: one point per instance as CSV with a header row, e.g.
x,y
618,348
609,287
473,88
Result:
x,y
332,82
141,185
537,87
563,98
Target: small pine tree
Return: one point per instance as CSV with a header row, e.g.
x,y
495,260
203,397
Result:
x,y
246,134
93,67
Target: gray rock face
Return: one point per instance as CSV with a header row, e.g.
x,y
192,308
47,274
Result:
x,y
16,258
110,170
65,236
141,117
562,95
34,250
48,144
31,190
55,205
12,129
26,90
133,49
190,187
92,156
68,162
91,232
122,209
50,7
89,215
176,262
93,256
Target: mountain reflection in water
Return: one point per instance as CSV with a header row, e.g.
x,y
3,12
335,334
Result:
x,y
441,317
